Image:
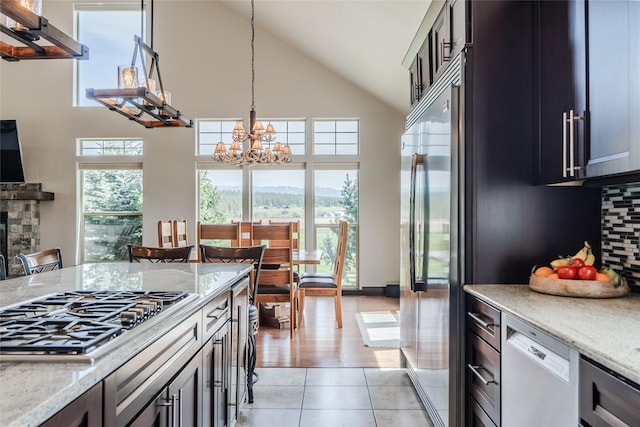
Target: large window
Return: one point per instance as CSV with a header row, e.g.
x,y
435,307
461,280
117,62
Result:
x,y
317,189
110,217
108,30
336,198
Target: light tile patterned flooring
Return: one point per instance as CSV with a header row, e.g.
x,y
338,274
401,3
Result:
x,y
331,397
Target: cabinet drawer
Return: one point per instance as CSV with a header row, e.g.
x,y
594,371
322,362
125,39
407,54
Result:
x,y
215,314
484,321
607,399
483,375
476,417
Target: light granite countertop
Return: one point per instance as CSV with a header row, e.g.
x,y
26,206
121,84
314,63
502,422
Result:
x,y
605,330
31,392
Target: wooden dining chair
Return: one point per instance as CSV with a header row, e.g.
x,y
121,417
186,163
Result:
x,y
159,255
165,234
326,283
218,235
39,262
276,276
249,255
180,233
296,242
245,231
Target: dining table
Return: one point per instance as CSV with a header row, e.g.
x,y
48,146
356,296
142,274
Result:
x,y
304,256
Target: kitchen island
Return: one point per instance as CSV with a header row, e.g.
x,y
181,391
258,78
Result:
x,y
32,389
605,330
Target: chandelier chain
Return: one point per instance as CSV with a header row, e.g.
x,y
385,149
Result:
x,y
253,70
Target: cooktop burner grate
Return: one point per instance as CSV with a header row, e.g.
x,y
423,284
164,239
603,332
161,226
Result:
x,y
77,322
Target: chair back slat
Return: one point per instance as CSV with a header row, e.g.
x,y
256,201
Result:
x,y
159,255
295,233
341,252
165,234
39,262
180,233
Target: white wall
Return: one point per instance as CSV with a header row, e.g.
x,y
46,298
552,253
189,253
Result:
x,y
205,63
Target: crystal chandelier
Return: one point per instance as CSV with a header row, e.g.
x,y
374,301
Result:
x,y
258,138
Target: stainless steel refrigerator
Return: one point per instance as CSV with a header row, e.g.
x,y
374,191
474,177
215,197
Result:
x,y
429,233
470,212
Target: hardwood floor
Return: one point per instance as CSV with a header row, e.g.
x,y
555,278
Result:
x,y
319,343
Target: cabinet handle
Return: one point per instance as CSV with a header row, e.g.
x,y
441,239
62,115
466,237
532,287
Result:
x,y
443,45
564,144
474,369
180,408
218,313
476,318
572,168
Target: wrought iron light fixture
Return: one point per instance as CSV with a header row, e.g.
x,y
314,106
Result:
x,y
258,135
139,100
25,25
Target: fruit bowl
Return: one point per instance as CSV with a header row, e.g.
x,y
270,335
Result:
x,y
578,288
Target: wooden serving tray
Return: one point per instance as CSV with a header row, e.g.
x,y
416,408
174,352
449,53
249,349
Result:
x,y
578,288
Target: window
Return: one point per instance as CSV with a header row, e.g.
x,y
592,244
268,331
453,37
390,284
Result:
x,y
337,137
108,30
111,198
284,192
336,198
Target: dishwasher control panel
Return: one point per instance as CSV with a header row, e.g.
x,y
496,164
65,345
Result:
x,y
550,360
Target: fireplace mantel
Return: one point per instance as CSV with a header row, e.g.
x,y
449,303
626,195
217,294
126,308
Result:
x,y
25,195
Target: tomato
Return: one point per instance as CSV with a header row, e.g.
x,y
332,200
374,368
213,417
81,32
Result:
x,y
567,272
577,262
588,272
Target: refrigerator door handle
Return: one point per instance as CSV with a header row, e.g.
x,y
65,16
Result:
x,y
416,285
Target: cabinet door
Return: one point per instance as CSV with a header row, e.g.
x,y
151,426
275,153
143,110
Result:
x,y
216,367
458,25
85,411
239,335
414,82
561,60
440,37
614,91
185,392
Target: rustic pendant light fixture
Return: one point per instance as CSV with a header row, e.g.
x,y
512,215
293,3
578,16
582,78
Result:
x,y
258,135
24,24
139,100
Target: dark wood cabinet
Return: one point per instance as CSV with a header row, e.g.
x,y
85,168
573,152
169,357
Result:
x,y
482,374
238,363
588,60
440,41
85,411
215,357
562,93
613,33
607,398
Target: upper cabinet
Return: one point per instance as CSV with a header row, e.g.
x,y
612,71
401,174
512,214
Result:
x,y
588,57
443,36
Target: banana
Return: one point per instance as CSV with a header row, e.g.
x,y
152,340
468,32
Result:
x,y
584,252
591,258
560,262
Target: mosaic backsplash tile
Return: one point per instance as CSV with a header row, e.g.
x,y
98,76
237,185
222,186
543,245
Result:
x,y
621,230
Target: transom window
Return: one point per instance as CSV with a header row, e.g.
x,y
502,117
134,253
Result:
x,y
337,137
110,147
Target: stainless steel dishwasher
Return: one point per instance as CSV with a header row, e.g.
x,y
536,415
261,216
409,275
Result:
x,y
539,378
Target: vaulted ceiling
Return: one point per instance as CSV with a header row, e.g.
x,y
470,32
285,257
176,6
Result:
x,y
364,41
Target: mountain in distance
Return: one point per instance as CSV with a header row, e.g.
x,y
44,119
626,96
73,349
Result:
x,y
320,191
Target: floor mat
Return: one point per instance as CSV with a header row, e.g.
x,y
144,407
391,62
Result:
x,y
379,328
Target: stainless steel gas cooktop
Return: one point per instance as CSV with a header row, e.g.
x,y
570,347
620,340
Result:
x,y
78,325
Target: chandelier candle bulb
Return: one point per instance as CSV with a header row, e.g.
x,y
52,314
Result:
x,y
34,6
127,77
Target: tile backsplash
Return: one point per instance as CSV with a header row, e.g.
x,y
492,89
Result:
x,y
621,230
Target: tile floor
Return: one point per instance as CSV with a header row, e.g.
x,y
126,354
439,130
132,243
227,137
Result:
x,y
332,397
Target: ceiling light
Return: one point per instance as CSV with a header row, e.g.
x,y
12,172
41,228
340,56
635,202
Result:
x,y
137,99
257,137
24,24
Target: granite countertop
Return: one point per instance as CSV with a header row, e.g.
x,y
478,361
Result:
x,y
31,392
605,330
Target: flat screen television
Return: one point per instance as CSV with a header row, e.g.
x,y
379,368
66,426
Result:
x,y
10,153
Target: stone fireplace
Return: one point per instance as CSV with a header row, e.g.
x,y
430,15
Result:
x,y
20,222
